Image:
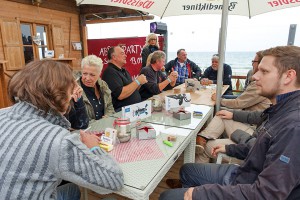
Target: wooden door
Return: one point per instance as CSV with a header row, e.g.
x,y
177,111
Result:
x,y
12,44
58,40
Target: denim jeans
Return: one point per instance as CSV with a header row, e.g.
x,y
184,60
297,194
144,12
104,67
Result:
x,y
193,174
68,191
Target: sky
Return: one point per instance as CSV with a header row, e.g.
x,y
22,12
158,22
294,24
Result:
x,y
199,33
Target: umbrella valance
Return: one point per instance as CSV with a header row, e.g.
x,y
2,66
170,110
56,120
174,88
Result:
x,y
165,8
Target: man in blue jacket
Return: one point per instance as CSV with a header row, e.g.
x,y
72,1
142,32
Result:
x,y
270,169
184,67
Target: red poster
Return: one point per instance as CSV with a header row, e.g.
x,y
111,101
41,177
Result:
x,y
132,47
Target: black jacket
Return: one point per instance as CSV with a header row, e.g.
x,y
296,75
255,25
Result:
x,y
147,50
211,74
271,169
244,141
78,115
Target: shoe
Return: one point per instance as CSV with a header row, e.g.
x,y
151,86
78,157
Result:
x,y
199,149
174,183
201,141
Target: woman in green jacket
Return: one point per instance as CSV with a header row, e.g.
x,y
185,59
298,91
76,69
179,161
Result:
x,y
96,93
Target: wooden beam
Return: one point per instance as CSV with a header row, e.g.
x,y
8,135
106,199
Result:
x,y
89,9
60,5
139,18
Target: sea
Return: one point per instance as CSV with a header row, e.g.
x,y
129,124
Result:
x,y
240,62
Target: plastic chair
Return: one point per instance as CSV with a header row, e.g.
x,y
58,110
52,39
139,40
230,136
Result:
x,y
221,156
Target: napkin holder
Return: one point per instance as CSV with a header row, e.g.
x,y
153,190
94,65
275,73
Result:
x,y
145,132
182,115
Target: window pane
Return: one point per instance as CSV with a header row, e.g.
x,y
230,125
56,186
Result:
x,y
26,34
42,52
28,53
41,31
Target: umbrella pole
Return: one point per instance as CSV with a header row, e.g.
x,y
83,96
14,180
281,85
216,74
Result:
x,y
222,49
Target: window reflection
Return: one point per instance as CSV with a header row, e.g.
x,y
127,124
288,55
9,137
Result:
x,y
42,52
40,30
26,34
28,53
34,38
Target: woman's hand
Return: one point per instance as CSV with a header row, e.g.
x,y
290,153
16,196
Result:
x,y
90,140
77,92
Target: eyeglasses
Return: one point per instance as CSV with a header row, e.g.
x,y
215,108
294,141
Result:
x,y
254,61
152,39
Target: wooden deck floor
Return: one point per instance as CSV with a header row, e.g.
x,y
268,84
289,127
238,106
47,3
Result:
x,y
173,173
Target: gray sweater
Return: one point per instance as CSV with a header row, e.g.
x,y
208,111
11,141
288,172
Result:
x,y
37,152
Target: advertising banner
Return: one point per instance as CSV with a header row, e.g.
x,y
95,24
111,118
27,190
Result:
x,y
132,46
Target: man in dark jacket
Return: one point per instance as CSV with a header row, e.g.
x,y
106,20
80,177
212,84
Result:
x,y
211,73
270,169
185,67
157,81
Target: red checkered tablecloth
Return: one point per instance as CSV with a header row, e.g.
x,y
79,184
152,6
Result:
x,y
137,150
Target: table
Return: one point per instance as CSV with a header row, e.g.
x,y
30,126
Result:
x,y
202,96
142,177
195,123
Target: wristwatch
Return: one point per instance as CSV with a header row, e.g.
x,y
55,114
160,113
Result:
x,y
169,80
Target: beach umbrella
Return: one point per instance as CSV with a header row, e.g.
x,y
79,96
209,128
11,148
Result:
x,y
165,8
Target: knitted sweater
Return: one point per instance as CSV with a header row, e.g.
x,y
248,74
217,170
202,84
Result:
x,y
37,152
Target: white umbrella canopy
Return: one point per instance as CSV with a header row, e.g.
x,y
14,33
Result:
x,y
166,8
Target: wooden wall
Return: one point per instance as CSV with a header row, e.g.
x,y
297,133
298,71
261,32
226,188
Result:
x,y
68,20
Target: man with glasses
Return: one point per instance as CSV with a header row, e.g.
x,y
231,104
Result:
x,y
249,99
184,67
270,169
211,73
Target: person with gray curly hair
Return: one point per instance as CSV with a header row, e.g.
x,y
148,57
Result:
x,y
96,93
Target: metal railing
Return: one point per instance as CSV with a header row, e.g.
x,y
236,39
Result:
x,y
238,83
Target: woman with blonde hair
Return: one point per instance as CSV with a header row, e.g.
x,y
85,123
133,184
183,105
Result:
x,y
96,93
150,46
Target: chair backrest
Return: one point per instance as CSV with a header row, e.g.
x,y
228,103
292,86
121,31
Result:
x,y
221,156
